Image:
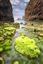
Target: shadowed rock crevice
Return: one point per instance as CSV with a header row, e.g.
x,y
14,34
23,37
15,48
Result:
x,y
6,11
34,10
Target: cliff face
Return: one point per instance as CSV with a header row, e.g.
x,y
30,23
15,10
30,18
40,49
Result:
x,y
6,11
34,10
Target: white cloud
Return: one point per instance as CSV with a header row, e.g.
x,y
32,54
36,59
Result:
x,y
26,0
14,1
16,17
18,9
18,1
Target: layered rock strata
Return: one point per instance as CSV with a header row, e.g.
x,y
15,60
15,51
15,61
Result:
x,y
34,10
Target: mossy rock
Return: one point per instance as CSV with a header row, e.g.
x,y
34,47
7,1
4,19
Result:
x,y
1,49
1,38
26,46
1,60
7,44
9,30
17,61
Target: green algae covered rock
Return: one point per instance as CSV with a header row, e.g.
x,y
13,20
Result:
x,y
1,60
26,46
1,43
1,49
16,62
7,30
7,44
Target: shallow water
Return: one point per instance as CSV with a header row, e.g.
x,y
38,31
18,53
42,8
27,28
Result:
x,y
13,55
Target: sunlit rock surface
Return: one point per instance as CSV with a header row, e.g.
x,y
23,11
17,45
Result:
x,y
6,11
34,10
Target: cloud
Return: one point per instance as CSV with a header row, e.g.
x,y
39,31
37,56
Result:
x,y
18,12
26,0
18,1
18,7
15,1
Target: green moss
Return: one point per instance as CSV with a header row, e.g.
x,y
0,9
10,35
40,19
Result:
x,y
7,30
1,61
16,62
1,39
26,46
7,44
1,49
16,25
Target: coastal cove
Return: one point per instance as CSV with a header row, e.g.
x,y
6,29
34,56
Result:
x,y
21,32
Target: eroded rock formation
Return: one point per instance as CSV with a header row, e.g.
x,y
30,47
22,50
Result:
x,y
6,11
34,10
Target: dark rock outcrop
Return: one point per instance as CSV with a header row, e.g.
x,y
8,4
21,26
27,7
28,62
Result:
x,y
6,11
34,10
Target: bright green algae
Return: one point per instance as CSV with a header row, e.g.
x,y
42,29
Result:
x,y
27,46
1,60
16,62
7,30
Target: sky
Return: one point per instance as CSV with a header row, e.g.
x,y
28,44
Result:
x,y
18,8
